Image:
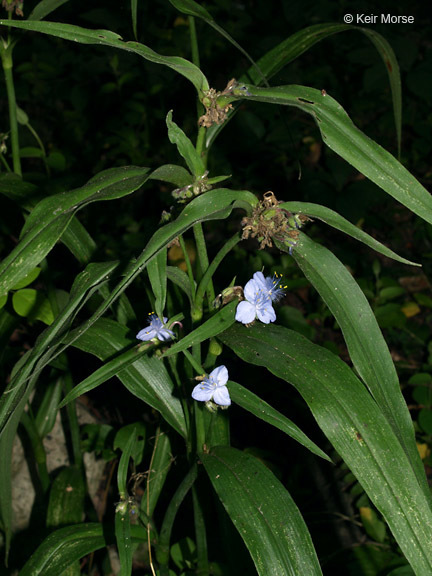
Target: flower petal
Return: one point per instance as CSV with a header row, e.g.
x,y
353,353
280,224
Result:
x,y
146,334
221,396
219,375
259,278
164,334
245,312
202,392
266,314
251,291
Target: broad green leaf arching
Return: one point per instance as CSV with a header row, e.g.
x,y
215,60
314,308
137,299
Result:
x,y
354,424
343,137
108,38
366,345
263,512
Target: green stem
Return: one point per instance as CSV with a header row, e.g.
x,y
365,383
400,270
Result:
x,y
197,310
7,63
200,535
6,165
73,423
194,41
203,260
195,365
38,449
163,547
188,264
200,425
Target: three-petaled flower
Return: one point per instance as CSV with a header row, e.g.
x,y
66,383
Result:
x,y
213,388
271,286
156,329
257,304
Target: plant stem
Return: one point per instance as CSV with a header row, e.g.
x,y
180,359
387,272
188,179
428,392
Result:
x,y
194,41
188,264
163,547
200,535
38,449
7,62
199,296
73,423
203,260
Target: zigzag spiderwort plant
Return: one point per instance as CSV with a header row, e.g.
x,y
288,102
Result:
x,y
361,412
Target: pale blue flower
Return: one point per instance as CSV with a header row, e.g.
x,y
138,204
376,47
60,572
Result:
x,y
213,388
156,329
257,304
271,285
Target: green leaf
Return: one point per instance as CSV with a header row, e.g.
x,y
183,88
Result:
x,y
51,217
123,537
375,528
263,512
213,205
108,370
192,8
48,409
366,345
32,304
158,279
79,242
354,424
66,545
344,138
3,300
336,221
44,8
255,405
108,38
123,467
122,438
173,174
86,283
180,279
146,379
212,327
160,465
185,147
28,279
66,502
291,48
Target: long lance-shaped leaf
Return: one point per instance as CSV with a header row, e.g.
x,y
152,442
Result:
x,y
291,48
255,405
366,345
157,271
50,218
84,286
110,369
213,205
194,9
354,424
295,45
212,327
337,221
45,7
66,545
263,512
109,38
342,136
147,378
26,195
